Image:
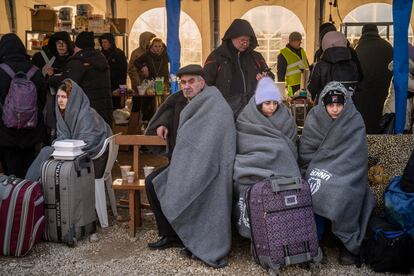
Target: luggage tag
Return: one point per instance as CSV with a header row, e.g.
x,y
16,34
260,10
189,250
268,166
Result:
x,y
6,186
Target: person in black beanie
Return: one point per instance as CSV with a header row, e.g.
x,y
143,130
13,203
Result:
x,y
90,69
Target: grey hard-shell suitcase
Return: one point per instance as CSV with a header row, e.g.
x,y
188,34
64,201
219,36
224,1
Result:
x,y
69,191
283,229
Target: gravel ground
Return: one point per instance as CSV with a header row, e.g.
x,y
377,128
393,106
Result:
x,y
115,253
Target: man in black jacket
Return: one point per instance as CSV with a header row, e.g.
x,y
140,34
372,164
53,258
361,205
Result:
x,y
59,48
90,70
234,67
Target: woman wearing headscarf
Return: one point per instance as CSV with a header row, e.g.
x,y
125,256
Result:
x,y
17,146
336,64
75,120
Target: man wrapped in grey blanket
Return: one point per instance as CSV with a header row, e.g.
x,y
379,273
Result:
x,y
266,145
333,157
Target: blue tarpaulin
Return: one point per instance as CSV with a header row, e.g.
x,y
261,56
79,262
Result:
x,y
173,41
401,12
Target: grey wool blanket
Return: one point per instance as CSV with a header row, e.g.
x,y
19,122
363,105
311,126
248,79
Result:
x,y
333,157
265,146
195,191
80,122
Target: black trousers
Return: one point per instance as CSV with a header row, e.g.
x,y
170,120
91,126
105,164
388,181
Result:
x,y
164,227
16,161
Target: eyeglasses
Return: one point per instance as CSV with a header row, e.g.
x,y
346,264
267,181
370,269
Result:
x,y
243,40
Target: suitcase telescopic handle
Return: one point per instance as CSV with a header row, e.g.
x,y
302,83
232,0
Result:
x,y
286,184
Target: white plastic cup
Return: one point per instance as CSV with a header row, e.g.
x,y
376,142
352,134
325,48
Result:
x,y
148,170
130,177
141,90
124,170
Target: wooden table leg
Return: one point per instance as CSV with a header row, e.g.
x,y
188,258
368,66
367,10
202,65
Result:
x,y
138,208
132,202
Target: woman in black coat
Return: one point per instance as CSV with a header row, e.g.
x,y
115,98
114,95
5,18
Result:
x,y
375,54
17,146
151,65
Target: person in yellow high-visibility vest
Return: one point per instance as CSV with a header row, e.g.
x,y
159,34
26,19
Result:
x,y
291,62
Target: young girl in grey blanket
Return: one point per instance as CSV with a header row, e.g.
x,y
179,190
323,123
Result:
x,y
75,119
333,158
266,145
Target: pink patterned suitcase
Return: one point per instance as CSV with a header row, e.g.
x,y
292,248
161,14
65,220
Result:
x,y
283,229
22,220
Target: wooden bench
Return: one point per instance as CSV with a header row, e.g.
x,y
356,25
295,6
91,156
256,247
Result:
x,y
134,189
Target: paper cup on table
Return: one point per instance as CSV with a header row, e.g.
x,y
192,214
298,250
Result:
x,y
124,170
148,170
130,177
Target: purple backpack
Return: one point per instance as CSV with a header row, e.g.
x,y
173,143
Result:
x,y
20,105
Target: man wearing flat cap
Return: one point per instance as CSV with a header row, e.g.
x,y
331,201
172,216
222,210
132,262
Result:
x,y
192,196
235,67
90,70
291,62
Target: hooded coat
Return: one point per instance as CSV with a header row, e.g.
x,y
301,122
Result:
x,y
51,51
374,54
144,40
117,62
336,65
90,70
233,72
13,53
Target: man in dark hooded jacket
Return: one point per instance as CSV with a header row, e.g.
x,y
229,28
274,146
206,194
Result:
x,y
17,146
234,67
116,59
89,68
59,48
375,54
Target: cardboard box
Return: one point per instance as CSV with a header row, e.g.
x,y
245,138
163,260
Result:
x,y
44,20
119,25
84,10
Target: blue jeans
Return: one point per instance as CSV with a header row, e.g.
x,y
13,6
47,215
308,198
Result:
x,y
320,225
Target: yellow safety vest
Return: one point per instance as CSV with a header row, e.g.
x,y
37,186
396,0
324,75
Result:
x,y
295,65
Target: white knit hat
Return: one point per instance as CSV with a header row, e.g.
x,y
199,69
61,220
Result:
x,y
267,90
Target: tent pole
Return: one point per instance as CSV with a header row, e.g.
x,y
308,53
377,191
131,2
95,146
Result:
x,y
11,15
